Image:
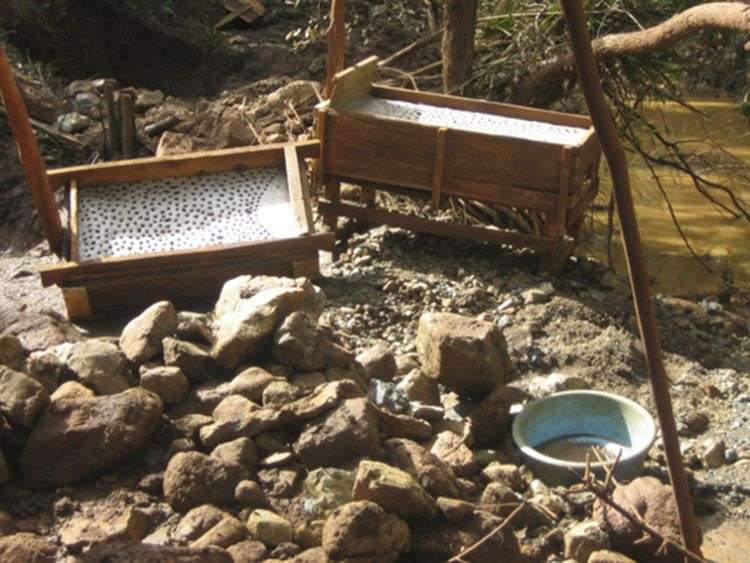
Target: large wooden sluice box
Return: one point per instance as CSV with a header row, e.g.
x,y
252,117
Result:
x,y
394,139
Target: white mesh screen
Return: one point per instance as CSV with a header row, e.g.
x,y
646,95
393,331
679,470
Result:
x,y
184,213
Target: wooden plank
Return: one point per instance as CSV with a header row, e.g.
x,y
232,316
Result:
x,y
77,302
74,254
583,202
336,42
469,104
171,166
299,193
500,194
438,175
31,160
306,268
60,273
418,224
353,83
559,222
248,10
318,170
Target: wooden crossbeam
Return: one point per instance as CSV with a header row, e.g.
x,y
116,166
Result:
x,y
248,10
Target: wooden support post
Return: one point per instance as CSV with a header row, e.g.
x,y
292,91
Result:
x,y
31,160
438,175
639,280
336,44
127,112
333,195
74,246
299,194
113,131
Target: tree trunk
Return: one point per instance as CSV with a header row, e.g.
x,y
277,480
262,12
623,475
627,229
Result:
x,y
458,43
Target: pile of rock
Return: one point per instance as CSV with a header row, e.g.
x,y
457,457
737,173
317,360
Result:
x,y
269,440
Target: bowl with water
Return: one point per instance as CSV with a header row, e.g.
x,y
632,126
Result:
x,y
556,434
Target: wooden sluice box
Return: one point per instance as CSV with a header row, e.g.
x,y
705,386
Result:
x,y
385,138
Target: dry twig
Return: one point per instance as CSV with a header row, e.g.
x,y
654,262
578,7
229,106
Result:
x,y
459,558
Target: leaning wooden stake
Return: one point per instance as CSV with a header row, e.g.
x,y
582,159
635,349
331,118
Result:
x,y
127,114
336,45
31,160
113,137
639,280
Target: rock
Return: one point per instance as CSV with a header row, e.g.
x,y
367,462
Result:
x,y
198,521
12,353
388,396
141,339
419,387
307,381
377,362
655,503
4,473
228,531
194,360
491,421
325,398
168,382
348,432
99,365
713,453
468,356
233,407
430,472
246,330
79,438
249,493
403,426
607,556
505,473
297,92
544,385
248,551
250,425
364,530
46,367
73,122
326,489
81,534
341,374
251,383
279,393
539,294
72,390
26,548
301,344
193,478
455,510
281,482
499,499
171,143
87,103
146,99
22,398
393,489
246,287
241,451
233,130
269,528
150,553
449,448
583,539
697,421
309,533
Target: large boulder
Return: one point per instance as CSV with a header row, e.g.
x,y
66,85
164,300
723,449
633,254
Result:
x,y
393,489
364,530
99,365
247,329
193,478
243,288
300,343
348,432
22,398
467,355
655,504
79,438
141,339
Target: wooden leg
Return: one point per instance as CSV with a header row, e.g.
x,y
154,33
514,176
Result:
x,y
554,261
332,192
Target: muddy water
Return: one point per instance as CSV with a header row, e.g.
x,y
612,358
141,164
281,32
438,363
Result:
x,y
578,448
712,233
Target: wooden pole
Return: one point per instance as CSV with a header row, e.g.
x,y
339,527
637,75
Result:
x,y
31,160
639,280
127,114
336,44
113,137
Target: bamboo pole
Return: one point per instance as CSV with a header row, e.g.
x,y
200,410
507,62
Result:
x,y
639,280
336,36
31,160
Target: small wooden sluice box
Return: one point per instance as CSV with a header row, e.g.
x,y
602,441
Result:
x,y
178,227
394,139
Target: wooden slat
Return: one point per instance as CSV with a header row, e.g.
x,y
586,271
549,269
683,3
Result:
x,y
353,83
77,302
248,10
583,202
469,104
418,224
171,166
500,194
558,228
299,193
74,255
31,160
438,174
109,266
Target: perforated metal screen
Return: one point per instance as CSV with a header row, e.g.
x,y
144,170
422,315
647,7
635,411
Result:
x,y
184,213
470,121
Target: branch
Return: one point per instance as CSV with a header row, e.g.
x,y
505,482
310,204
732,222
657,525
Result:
x,y
727,16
